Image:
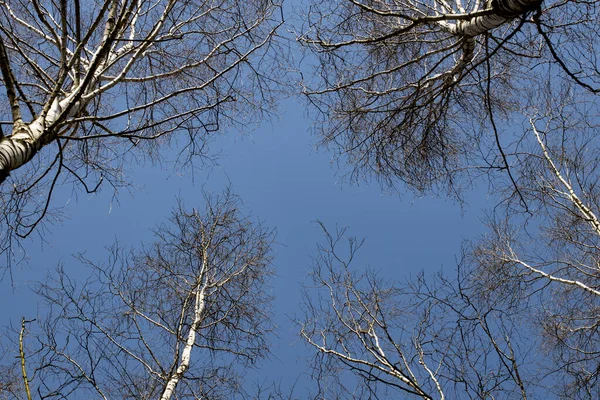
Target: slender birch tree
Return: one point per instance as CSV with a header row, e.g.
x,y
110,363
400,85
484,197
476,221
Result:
x,y
422,92
430,338
180,318
551,256
90,86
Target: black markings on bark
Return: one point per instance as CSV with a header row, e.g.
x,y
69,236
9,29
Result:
x,y
514,8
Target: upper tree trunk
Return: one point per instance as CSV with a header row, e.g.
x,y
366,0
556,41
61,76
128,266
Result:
x,y
502,11
187,350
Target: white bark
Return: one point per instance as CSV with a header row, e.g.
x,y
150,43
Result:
x,y
27,139
191,339
16,150
497,13
569,194
124,43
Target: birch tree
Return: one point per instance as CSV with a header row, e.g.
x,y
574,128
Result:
x,y
90,86
427,92
179,318
519,319
431,93
552,254
433,337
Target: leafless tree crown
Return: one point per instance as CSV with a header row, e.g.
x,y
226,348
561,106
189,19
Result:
x,y
520,319
424,92
177,319
89,83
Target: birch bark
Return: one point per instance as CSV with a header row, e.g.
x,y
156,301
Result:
x,y
496,14
123,49
27,139
186,355
395,88
20,147
500,12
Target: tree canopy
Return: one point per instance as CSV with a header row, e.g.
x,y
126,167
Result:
x,y
94,86
430,96
427,93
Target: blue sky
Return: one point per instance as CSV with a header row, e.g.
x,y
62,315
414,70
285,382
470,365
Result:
x,y
287,183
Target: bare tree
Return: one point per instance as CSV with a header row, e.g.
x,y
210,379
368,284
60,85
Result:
x,y
11,387
415,91
91,86
520,319
431,338
178,319
556,248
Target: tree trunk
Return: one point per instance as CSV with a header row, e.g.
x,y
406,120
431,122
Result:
x,y
187,350
501,11
27,139
16,150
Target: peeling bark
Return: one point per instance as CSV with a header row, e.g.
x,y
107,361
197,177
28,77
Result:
x,y
17,149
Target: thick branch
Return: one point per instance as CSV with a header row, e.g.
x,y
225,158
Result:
x,y
22,357
26,140
503,11
16,150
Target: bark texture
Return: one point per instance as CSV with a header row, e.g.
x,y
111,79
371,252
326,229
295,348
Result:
x,y
16,150
501,12
395,82
27,139
187,351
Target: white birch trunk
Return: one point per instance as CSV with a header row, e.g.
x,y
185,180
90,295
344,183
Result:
x,y
17,149
187,350
501,11
498,12
27,139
